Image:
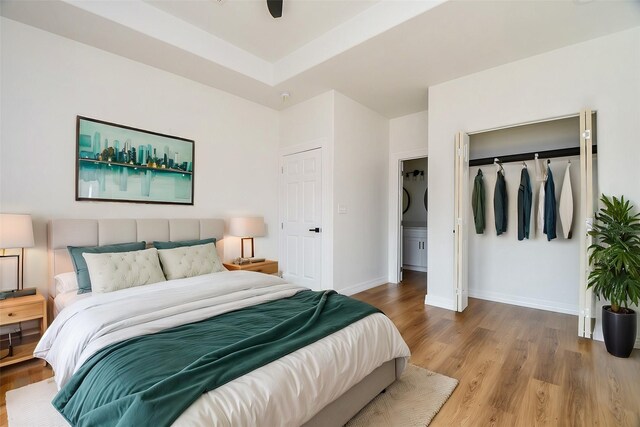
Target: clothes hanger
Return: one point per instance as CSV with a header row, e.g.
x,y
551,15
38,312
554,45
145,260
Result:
x,y
524,164
498,165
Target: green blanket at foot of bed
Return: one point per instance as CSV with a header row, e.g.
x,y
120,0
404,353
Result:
x,y
152,379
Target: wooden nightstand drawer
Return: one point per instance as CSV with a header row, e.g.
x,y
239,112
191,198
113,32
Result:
x,y
20,313
20,309
266,267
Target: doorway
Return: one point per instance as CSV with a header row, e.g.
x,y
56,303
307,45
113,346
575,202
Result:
x,y
413,213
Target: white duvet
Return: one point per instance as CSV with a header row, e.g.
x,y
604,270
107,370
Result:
x,y
289,391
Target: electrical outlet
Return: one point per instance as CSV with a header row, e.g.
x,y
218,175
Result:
x,y
342,209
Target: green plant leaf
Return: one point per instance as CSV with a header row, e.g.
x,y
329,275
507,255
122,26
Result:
x,y
615,254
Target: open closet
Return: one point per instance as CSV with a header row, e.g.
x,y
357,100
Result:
x,y
497,257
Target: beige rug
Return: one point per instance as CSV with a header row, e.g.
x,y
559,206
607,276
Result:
x,y
411,401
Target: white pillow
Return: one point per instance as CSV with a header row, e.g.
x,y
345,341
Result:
x,y
120,270
66,282
190,261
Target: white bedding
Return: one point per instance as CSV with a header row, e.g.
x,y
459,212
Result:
x,y
288,391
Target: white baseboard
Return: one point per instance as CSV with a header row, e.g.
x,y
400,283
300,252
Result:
x,y
445,303
359,287
557,307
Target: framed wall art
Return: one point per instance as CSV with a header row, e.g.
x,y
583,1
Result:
x,y
117,163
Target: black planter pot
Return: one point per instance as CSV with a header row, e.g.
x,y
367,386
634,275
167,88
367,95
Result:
x,y
619,331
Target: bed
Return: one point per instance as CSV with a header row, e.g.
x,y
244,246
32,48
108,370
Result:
x,y
323,383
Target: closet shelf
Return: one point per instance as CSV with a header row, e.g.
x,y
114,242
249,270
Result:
x,y
549,154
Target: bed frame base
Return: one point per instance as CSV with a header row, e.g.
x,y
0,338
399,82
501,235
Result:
x,y
341,410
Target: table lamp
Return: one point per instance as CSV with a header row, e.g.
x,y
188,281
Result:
x,y
247,228
16,231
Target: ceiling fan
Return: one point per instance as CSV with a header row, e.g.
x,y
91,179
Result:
x,y
275,8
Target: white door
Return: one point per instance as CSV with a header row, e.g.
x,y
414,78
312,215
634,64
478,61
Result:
x,y
586,316
461,208
301,221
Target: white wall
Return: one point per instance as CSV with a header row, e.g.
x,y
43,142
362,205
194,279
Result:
x,y
408,132
601,74
47,80
407,140
308,121
361,147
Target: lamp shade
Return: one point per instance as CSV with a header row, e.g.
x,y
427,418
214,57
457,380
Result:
x,y
247,226
16,231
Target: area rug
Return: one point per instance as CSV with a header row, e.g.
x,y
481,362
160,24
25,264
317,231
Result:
x,y
411,401
31,406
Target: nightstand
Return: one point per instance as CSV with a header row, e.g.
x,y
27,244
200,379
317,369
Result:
x,y
21,309
267,267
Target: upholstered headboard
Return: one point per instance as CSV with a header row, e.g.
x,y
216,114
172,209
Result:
x,y
98,232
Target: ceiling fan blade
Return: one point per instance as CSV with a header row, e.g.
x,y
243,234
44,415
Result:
x,y
275,8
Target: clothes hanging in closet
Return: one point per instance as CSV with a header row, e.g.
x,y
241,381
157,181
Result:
x,y
500,205
566,204
541,177
550,206
524,204
477,202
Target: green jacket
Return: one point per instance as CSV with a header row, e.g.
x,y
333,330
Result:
x,y
477,202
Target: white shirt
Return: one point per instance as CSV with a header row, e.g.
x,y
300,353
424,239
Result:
x,y
566,204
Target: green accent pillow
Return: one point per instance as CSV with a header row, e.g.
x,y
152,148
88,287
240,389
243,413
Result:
x,y
80,265
182,243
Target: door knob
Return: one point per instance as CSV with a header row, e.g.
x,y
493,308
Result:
x,y
315,230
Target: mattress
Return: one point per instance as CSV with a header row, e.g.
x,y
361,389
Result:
x,y
288,391
65,299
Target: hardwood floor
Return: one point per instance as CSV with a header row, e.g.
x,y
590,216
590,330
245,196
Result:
x,y
516,366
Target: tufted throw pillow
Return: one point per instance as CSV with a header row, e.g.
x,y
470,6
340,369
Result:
x,y
120,270
190,261
80,266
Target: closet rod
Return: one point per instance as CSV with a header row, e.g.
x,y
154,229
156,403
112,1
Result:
x,y
549,154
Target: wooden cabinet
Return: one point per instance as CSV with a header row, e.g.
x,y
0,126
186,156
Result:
x,y
21,309
414,249
267,267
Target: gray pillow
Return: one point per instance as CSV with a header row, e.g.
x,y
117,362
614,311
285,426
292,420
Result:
x,y
182,243
80,265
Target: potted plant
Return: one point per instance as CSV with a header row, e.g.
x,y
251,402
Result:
x,y
615,258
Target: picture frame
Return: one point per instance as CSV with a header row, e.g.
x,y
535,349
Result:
x,y
118,163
